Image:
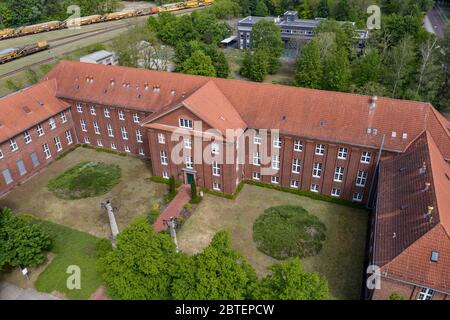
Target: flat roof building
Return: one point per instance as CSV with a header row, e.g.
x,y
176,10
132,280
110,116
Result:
x,y
101,57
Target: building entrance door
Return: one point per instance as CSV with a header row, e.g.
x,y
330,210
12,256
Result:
x,y
189,178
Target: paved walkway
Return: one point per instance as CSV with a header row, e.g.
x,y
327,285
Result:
x,y
174,208
9,291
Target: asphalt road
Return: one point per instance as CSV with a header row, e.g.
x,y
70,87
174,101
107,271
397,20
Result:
x,y
437,21
9,291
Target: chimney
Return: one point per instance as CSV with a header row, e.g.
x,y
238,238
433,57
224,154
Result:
x,y
427,187
373,103
423,168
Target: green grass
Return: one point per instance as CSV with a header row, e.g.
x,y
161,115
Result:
x,y
288,231
71,247
86,179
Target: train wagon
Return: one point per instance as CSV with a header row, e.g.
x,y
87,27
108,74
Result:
x,y
40,27
119,15
82,21
206,2
147,11
15,53
171,7
6,33
191,4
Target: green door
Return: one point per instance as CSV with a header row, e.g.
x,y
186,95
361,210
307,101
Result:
x,y
190,178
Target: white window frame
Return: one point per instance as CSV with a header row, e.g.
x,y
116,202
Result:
x,y
295,183
216,186
126,148
139,136
96,127
87,140
320,149
339,174
256,175
256,159
366,157
92,110
186,123
113,146
276,162
1,154
165,175
79,108
13,145
361,178
106,113
317,170
163,158
342,153
68,137
121,115
215,148
52,124
215,169
47,152
40,130
161,138
275,179
298,145
83,125
63,117
314,188
296,166
27,137
141,151
99,143
187,142
336,192
58,144
188,162
257,140
357,197
124,132
110,130
135,117
276,143
425,294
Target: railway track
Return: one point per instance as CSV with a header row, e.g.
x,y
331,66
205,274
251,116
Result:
x,y
78,37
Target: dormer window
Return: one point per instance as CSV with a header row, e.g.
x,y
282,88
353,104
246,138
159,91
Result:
x,y
156,89
135,118
185,123
52,124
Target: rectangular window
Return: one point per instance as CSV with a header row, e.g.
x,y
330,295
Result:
x,y
21,167
275,179
256,159
161,138
34,159
124,133
257,140
163,158
336,192
113,146
184,123
110,130
135,118
96,128
1,154
277,143
342,153
141,151
121,115
52,123
165,175
256,175
189,163
357,197
92,110
361,178
99,143
216,186
13,145
425,294
298,146
187,143
106,112
26,137
339,174
127,148
294,184
86,140
39,130
295,166
68,137
314,187
320,149
63,117
215,169
83,125
138,136
79,108
317,170
58,144
365,157
7,176
47,152
276,162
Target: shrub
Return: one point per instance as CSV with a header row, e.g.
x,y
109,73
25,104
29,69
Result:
x,y
87,179
21,242
288,231
396,296
153,215
103,247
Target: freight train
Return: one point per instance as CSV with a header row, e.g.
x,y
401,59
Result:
x,y
73,22
9,54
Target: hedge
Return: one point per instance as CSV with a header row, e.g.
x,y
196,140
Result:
x,y
225,195
164,180
99,149
65,153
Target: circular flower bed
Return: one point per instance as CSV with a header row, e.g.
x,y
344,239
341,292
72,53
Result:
x,y
86,179
288,231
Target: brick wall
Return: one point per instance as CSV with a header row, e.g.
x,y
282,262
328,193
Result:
x,y
407,291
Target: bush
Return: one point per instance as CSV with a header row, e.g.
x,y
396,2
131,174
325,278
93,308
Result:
x,y
164,180
153,215
21,242
103,247
396,296
87,179
288,231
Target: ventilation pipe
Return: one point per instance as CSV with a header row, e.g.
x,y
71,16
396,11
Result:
x,y
112,221
423,168
427,187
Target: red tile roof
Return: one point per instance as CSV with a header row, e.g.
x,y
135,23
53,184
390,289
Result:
x,y
404,234
330,116
27,108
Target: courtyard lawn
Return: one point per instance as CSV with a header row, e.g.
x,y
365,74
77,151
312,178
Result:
x,y
69,247
340,260
134,195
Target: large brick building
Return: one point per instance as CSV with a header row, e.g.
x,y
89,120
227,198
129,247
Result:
x,y
355,147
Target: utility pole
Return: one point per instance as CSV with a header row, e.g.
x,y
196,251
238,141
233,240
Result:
x,y
172,224
112,221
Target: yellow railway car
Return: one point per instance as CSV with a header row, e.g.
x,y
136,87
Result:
x,y
191,4
172,7
119,15
15,53
40,27
82,21
6,33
